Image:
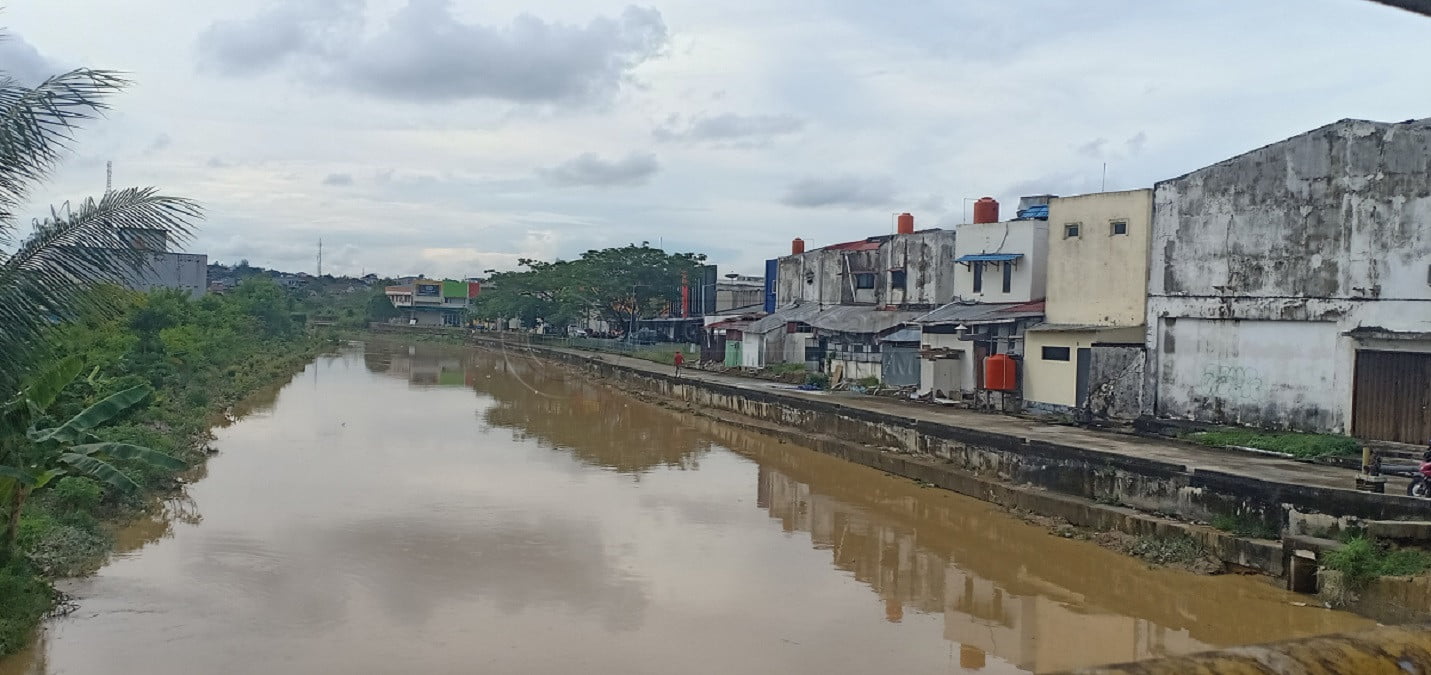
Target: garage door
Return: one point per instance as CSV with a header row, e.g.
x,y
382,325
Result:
x,y
1392,401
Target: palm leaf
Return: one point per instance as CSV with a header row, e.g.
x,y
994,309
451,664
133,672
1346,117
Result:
x,y
18,475
38,123
100,470
50,275
78,426
129,452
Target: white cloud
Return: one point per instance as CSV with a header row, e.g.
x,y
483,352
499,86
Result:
x,y
589,169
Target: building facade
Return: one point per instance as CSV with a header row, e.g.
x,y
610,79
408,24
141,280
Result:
x,y
999,282
1089,354
836,304
433,302
1291,285
162,268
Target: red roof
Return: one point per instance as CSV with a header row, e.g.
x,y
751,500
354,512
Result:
x,y
861,245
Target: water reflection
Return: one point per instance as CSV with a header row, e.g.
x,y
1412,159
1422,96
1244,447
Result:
x,y
382,518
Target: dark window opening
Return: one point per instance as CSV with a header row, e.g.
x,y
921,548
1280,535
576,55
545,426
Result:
x,y
1008,277
897,278
1055,353
1120,227
978,277
864,280
1070,230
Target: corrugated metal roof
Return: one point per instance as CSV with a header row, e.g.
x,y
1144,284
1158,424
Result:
x,y
906,334
863,245
989,257
839,318
974,313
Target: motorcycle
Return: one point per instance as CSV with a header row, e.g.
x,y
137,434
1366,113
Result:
x,y
1421,482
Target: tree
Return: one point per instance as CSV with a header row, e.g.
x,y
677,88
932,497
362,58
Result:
x,y
615,284
44,276
31,456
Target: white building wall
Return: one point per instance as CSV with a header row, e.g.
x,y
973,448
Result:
x,y
1295,244
752,350
1026,237
188,272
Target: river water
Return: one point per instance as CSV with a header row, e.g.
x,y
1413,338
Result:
x,y
401,509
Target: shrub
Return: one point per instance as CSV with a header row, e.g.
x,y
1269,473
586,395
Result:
x,y
76,493
821,380
26,600
1363,560
1244,525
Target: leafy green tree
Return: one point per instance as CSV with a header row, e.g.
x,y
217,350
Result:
x,y
32,455
615,284
44,275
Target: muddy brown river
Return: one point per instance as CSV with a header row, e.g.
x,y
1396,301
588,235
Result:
x,y
402,509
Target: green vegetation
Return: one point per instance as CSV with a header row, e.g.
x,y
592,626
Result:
x,y
119,416
820,380
787,368
1244,525
614,284
1363,560
1176,550
1306,446
869,382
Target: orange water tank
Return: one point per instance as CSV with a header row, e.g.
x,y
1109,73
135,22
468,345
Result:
x,y
797,247
1000,373
986,210
906,224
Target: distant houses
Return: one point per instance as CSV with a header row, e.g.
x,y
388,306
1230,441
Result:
x,y
433,302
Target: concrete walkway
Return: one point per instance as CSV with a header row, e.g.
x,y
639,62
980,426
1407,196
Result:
x,y
1267,468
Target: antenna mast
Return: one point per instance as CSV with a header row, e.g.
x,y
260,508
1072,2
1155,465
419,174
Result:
x,y
320,257
109,176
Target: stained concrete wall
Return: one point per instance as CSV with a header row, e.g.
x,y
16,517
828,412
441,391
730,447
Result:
x,y
1026,237
1261,264
1117,380
1099,277
823,276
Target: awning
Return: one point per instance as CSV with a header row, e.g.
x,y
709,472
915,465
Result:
x,y
988,257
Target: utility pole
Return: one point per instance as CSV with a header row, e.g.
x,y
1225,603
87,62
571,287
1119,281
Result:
x,y
109,177
320,256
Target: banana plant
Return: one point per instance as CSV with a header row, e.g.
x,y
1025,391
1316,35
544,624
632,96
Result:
x,y
41,455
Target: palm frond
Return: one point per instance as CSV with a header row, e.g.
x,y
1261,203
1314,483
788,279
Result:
x,y
37,125
47,278
42,391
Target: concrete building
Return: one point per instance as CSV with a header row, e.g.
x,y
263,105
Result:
x,y
999,280
1291,285
834,305
188,272
1089,355
736,294
430,302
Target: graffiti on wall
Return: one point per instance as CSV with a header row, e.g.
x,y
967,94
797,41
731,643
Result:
x,y
1231,382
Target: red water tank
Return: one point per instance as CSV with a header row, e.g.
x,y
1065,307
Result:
x,y
986,210
906,224
797,247
1000,373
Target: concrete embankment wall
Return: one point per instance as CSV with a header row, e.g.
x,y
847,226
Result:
x,y
1086,487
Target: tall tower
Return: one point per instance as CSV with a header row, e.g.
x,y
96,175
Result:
x,y
320,257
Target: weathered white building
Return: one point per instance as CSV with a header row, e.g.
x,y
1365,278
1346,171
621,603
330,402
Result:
x,y
1000,280
162,268
834,305
1290,286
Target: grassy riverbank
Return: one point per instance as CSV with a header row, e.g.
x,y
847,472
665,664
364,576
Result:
x,y
201,357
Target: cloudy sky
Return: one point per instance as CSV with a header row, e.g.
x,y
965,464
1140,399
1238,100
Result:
x,y
452,136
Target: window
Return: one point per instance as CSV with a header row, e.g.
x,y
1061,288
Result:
x,y
1070,230
1118,227
978,268
864,280
1008,276
1055,353
897,278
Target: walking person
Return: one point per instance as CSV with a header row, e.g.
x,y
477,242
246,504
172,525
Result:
x,y
680,360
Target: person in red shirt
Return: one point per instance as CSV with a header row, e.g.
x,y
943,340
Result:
x,y
680,360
